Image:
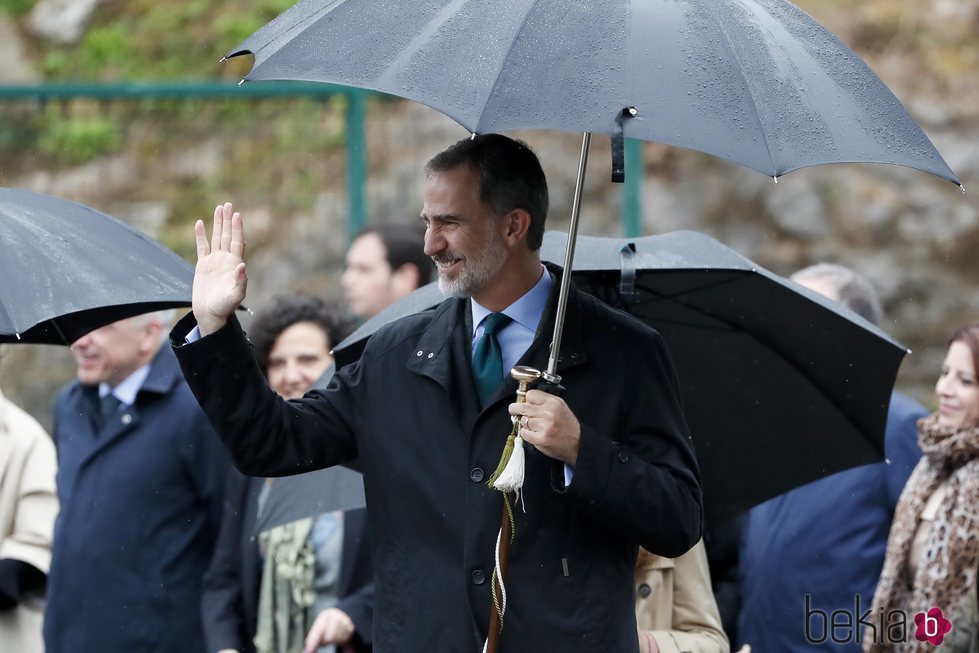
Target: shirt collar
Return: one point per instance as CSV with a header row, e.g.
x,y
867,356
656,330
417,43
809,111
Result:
x,y
526,311
127,390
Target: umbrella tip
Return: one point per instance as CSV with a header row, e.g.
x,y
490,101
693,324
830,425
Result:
x,y
908,351
963,188
222,59
17,335
241,82
775,179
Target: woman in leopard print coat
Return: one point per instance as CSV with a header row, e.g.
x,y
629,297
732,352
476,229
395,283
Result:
x,y
929,573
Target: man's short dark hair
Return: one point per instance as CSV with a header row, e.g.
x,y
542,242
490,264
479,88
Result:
x,y
403,244
284,311
510,177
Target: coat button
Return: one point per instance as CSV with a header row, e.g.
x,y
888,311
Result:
x,y
623,456
476,475
644,591
127,419
478,577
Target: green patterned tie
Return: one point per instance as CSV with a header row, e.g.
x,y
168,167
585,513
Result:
x,y
488,358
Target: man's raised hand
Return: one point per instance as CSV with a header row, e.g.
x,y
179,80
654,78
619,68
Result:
x,y
220,278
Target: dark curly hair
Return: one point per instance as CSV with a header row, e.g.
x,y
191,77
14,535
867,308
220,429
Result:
x,y
285,310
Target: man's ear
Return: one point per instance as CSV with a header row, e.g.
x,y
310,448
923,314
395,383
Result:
x,y
152,337
405,279
516,224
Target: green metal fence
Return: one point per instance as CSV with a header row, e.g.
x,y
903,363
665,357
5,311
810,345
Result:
x,y
355,129
356,113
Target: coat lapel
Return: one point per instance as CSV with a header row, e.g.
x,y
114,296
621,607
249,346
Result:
x,y
443,354
162,376
572,344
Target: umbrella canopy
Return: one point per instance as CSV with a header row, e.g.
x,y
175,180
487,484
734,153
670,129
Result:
x,y
68,269
307,495
780,385
757,82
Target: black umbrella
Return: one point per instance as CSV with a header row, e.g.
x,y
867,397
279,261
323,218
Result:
x,y
307,495
780,385
68,269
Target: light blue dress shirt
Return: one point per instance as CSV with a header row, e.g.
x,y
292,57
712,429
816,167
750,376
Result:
x,y
515,338
126,391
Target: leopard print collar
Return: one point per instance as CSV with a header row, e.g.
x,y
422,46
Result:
x,y
948,571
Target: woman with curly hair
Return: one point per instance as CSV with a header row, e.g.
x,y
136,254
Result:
x,y
303,585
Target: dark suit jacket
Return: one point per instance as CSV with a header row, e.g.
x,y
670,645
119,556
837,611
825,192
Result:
x,y
825,540
408,408
140,509
229,602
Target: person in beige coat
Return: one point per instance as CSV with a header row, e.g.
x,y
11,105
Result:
x,y
28,507
675,606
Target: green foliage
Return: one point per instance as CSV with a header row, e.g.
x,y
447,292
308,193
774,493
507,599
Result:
x,y
16,7
146,39
76,139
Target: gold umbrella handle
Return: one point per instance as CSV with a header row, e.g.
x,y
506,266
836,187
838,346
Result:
x,y
508,478
509,473
524,376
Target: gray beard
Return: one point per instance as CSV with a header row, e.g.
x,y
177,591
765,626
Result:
x,y
475,274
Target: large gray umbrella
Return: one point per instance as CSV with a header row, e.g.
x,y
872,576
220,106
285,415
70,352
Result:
x,y
757,82
68,269
780,385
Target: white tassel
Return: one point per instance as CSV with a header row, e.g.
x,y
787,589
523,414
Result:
x,y
511,478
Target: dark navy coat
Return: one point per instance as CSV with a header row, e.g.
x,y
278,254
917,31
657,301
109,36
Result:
x,y
140,509
826,540
409,410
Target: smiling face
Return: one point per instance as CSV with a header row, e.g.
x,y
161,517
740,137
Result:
x,y
462,235
958,394
299,356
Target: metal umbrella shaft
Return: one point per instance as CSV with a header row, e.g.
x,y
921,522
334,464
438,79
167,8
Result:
x,y
506,528
550,375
